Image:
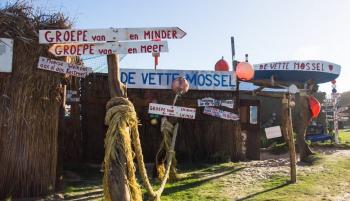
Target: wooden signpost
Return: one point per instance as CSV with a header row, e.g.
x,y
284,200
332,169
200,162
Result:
x,y
77,49
111,34
111,42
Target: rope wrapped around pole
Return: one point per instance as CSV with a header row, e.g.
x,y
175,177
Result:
x,y
122,120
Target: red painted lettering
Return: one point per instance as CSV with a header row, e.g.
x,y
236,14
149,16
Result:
x,y
48,39
58,35
174,34
147,35
133,37
66,36
91,49
84,35
65,49
72,36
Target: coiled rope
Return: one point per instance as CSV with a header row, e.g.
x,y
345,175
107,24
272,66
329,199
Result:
x,y
122,122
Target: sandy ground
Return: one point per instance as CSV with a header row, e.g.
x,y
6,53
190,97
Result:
x,y
269,165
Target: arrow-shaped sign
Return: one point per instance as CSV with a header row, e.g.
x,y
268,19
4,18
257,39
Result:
x,y
112,34
71,49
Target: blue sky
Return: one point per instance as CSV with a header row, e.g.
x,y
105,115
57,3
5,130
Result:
x,y
268,30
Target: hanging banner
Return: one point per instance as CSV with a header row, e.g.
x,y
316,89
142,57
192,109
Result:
x,y
273,132
173,111
162,79
6,54
220,113
63,67
213,102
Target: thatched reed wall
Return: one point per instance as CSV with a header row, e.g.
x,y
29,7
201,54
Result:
x,y
29,107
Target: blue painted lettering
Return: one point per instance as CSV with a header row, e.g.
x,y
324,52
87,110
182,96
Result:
x,y
201,80
131,78
223,80
216,79
208,80
151,78
144,78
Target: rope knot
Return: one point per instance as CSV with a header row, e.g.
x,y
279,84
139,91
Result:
x,y
119,110
166,126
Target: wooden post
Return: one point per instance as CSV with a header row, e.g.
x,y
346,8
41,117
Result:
x,y
117,173
237,132
288,130
302,122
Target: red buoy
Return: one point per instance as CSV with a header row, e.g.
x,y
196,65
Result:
x,y
314,105
221,65
245,71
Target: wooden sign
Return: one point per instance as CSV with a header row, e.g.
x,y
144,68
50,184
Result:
x,y
72,96
112,34
173,111
162,79
6,54
63,67
343,114
342,109
220,113
213,102
273,132
344,119
136,47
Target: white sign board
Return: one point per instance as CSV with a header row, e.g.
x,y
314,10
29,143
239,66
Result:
x,y
342,109
220,113
344,119
162,79
342,114
328,101
309,65
335,95
213,102
112,34
173,111
6,54
63,67
273,132
136,47
72,96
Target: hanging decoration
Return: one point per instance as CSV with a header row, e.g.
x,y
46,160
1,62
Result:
x,y
314,105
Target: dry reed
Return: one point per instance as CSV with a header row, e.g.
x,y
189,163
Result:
x,y
29,106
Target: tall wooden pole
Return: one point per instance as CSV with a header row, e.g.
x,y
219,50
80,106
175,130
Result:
x,y
117,173
288,130
238,153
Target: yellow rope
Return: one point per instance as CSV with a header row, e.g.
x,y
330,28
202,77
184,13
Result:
x,y
122,121
167,130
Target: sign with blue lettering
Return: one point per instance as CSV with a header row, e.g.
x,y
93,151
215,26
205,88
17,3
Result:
x,y
162,79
